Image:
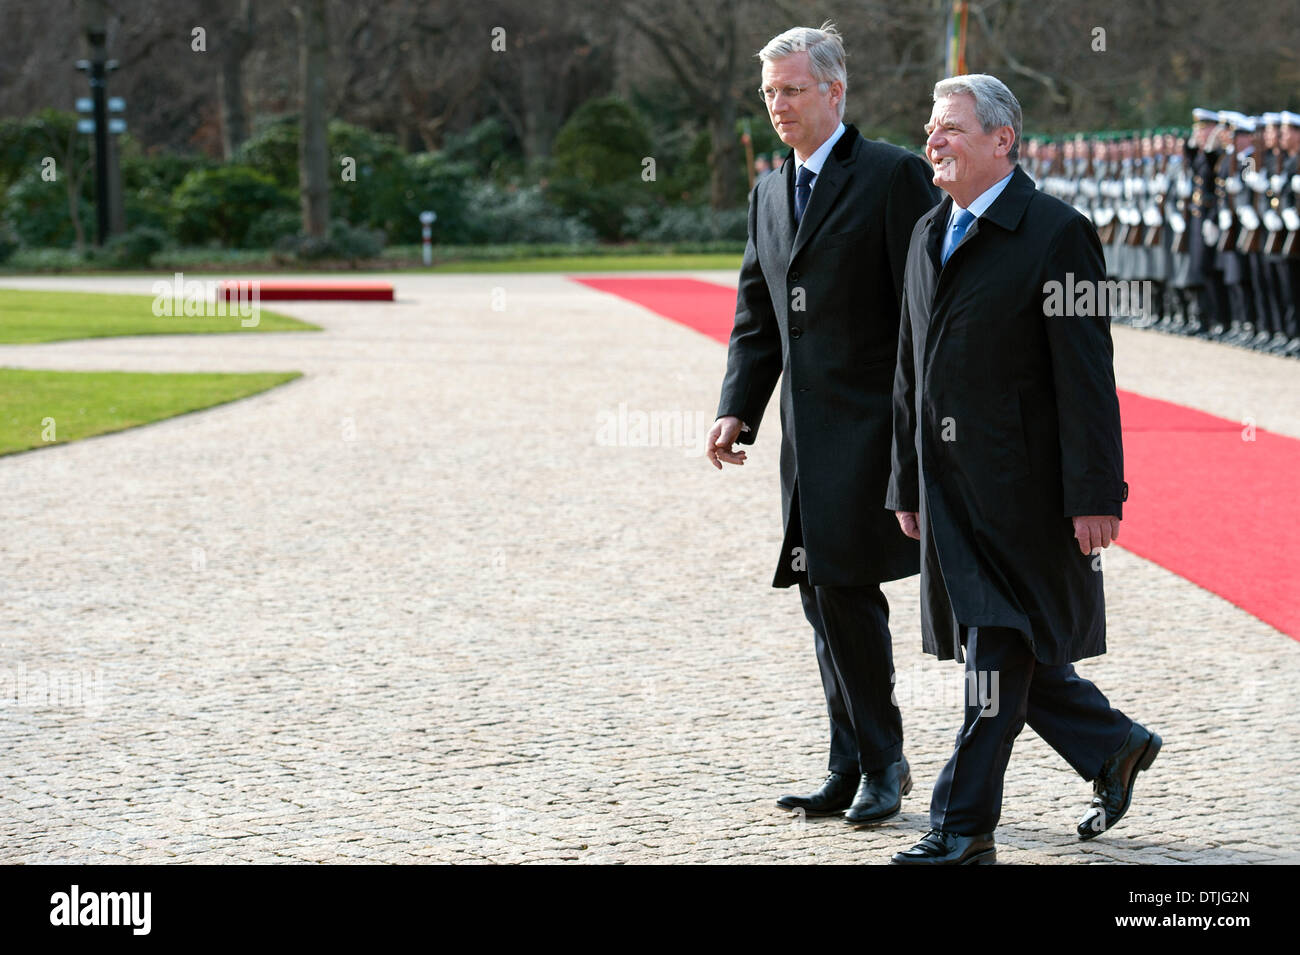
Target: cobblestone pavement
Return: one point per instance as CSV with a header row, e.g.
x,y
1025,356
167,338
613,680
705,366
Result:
x,y
429,603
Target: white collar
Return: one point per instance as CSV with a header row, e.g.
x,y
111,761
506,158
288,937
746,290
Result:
x,y
983,201
818,158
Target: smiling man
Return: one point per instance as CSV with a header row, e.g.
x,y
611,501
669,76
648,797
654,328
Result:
x,y
817,307
1008,467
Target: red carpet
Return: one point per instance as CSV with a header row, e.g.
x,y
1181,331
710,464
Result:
x,y
1222,511
281,290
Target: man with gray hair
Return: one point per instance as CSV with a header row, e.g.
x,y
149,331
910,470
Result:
x,y
817,307
1008,467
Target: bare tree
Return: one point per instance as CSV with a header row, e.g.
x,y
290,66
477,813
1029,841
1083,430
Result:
x,y
408,68
234,40
699,43
424,68
547,63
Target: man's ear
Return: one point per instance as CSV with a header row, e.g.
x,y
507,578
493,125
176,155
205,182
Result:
x,y
1006,139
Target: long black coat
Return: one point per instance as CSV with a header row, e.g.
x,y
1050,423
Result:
x,y
1006,425
819,308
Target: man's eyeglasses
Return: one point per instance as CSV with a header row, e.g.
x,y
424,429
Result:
x,y
789,92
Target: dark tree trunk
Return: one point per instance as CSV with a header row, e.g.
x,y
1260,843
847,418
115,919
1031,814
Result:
x,y
313,138
723,159
233,44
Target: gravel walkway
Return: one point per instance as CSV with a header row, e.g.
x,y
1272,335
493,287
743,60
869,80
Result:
x,y
428,603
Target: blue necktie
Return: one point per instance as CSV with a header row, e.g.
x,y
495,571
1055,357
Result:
x,y
959,227
802,190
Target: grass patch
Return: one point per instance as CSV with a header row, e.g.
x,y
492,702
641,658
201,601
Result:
x,y
86,403
27,317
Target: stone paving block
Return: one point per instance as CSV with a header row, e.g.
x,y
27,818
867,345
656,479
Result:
x,y
410,608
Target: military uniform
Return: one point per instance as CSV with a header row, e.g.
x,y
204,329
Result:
x,y
1206,219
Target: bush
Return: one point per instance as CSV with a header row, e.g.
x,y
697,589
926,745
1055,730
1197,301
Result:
x,y
149,207
38,212
683,159
519,214
482,146
273,150
687,224
597,165
377,196
46,260
391,188
345,241
354,242
8,242
272,226
162,170
432,181
148,182
134,248
222,204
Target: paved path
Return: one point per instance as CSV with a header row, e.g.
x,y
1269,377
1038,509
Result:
x,y
421,605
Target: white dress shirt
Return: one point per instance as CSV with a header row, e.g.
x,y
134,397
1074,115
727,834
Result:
x,y
982,202
818,158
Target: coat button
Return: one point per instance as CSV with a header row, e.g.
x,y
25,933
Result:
x,y
794,276
795,331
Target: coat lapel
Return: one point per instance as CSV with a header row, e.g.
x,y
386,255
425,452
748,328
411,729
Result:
x,y
778,210
828,185
925,280
937,226
1009,208
1005,212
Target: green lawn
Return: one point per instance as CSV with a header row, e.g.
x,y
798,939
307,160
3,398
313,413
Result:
x,y
27,317
40,408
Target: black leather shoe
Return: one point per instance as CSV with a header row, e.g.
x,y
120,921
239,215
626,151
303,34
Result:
x,y
948,848
880,796
1113,787
833,798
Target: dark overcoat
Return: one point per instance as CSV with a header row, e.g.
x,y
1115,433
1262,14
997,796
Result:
x,y
1006,425
818,308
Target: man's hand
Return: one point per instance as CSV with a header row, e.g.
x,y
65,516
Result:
x,y
722,439
910,522
1095,530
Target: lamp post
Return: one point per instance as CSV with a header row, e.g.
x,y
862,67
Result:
x,y
426,233
97,68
